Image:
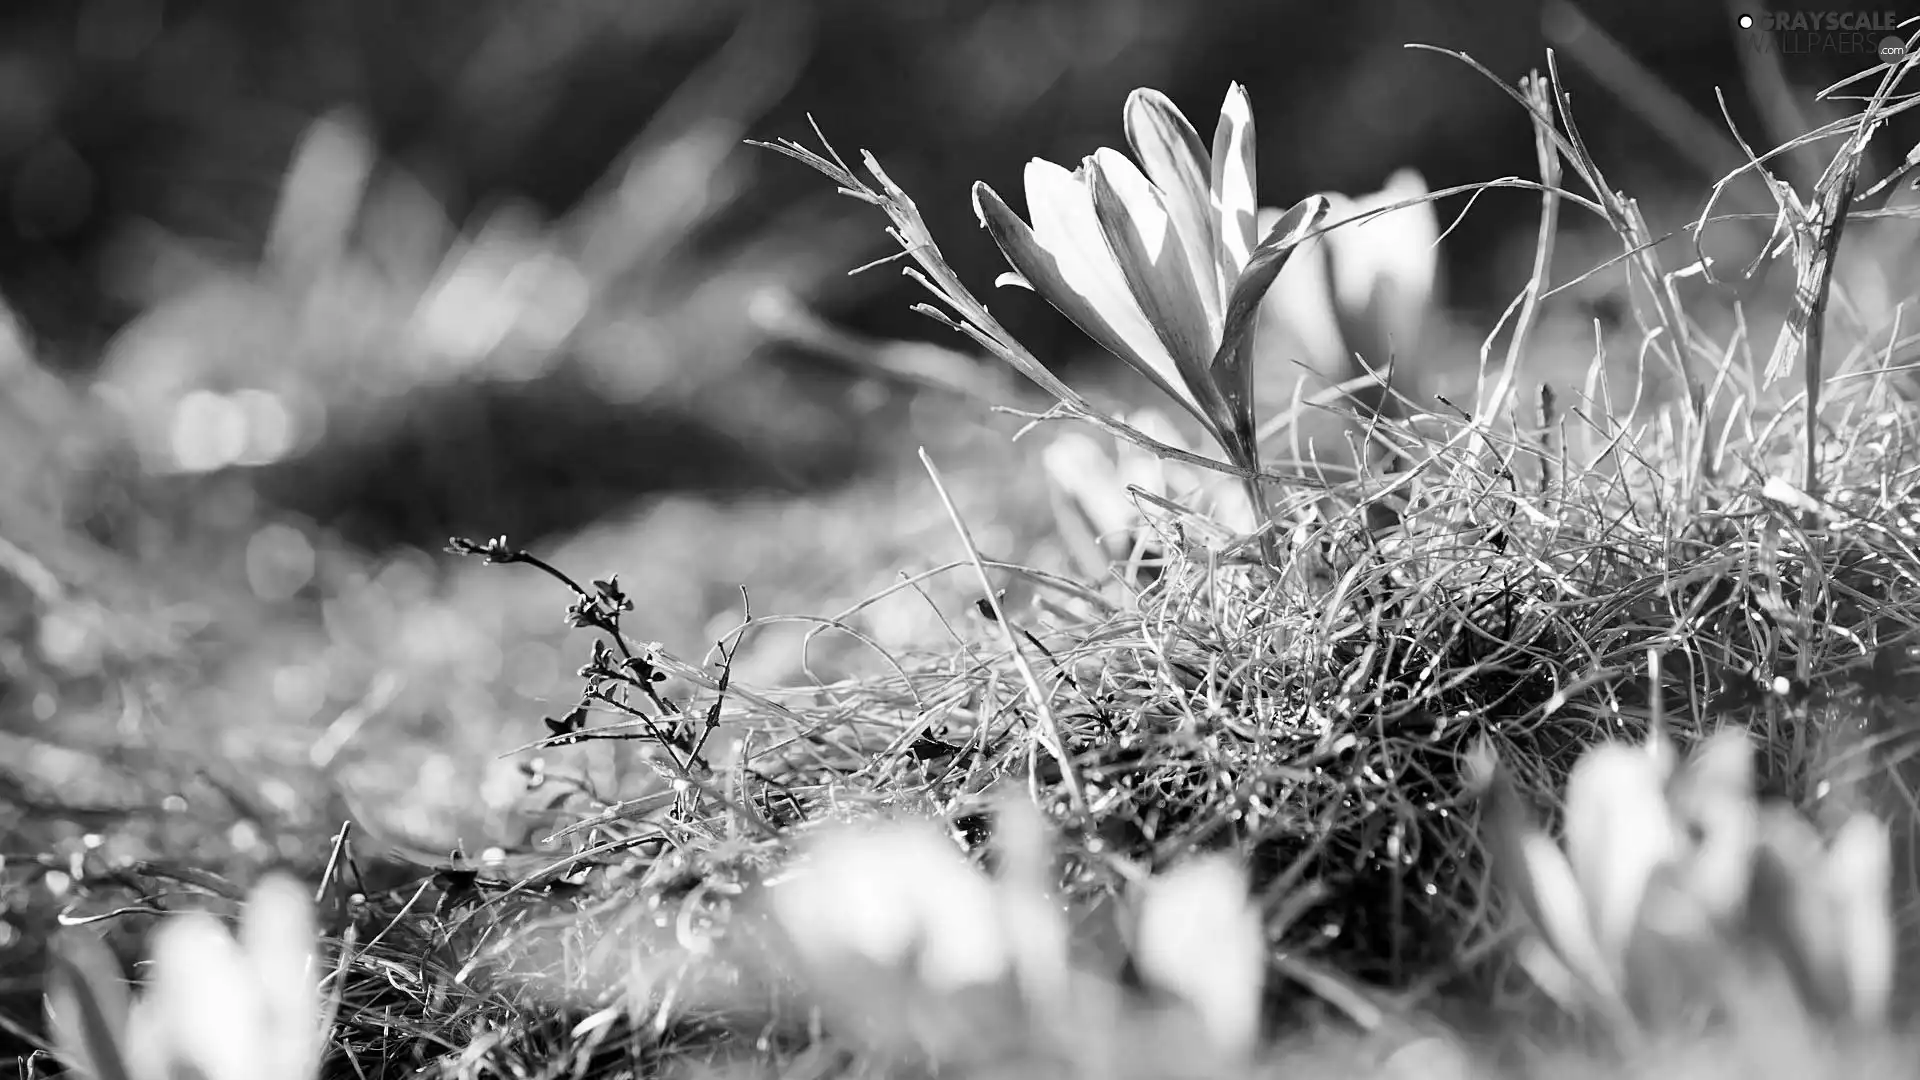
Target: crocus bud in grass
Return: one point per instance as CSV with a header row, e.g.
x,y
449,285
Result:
x,y
1585,903
1824,910
1678,892
214,1007
1384,267
1199,936
1366,287
910,946
896,896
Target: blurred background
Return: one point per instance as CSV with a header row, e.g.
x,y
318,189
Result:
x,y
380,234
290,294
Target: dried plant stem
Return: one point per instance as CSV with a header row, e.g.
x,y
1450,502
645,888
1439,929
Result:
x,y
1834,213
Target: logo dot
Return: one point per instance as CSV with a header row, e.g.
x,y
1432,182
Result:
x,y
1892,49
1746,22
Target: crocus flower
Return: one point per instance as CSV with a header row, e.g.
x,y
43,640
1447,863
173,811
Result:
x,y
897,897
1676,890
1827,908
1199,936
1363,291
215,1007
1160,262
912,946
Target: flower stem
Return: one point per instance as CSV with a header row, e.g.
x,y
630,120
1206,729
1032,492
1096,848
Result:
x,y
1244,450
1263,517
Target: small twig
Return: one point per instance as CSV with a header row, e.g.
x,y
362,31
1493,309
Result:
x,y
720,696
599,609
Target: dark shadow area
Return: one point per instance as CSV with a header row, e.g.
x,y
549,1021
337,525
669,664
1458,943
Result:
x,y
534,460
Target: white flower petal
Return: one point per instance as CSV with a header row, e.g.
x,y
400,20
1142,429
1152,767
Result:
x,y
963,942
1860,870
1199,936
1301,300
1561,914
1712,797
1235,194
148,1050
1035,927
1152,224
893,895
1060,206
1041,270
279,935
1140,234
1618,831
843,900
1386,267
1173,157
1140,467
206,999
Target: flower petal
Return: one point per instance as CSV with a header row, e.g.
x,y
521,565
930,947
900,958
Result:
x,y
1859,876
149,1053
1825,910
279,935
1712,798
1067,226
1554,902
1234,193
1083,285
1385,269
1618,832
1400,245
1134,219
1031,916
1173,157
1788,911
1300,302
206,1000
1232,363
841,903
894,896
1199,936
1535,875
